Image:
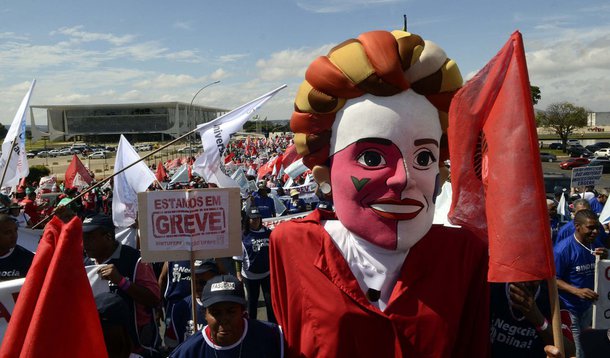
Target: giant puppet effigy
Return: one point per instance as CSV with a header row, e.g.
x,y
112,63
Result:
x,y
377,279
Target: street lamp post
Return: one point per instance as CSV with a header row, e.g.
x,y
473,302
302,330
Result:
x,y
190,116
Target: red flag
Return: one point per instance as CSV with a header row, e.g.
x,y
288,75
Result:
x,y
161,174
496,170
77,170
229,157
290,156
55,314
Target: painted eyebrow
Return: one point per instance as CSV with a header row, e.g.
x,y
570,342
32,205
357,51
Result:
x,y
376,140
423,141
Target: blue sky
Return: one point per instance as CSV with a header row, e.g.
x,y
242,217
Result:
x,y
148,51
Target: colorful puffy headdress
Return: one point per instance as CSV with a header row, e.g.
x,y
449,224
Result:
x,y
380,63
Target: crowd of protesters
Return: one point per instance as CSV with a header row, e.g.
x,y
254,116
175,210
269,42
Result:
x,y
160,297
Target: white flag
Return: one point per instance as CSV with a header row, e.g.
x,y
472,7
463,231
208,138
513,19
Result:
x,y
14,143
215,137
128,184
296,168
181,175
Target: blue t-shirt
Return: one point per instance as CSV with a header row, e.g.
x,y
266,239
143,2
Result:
x,y
576,266
181,314
260,340
569,229
178,280
266,206
255,246
596,206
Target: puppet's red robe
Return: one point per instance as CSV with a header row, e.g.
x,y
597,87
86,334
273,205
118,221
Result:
x,y
439,306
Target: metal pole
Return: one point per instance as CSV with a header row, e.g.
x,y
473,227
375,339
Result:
x,y
189,115
8,161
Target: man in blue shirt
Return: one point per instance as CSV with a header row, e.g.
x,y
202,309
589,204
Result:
x,y
263,202
229,333
568,229
575,265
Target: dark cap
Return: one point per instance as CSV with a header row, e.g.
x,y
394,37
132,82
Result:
x,y
98,221
223,288
254,213
205,266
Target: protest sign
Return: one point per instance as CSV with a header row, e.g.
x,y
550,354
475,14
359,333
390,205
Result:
x,y
174,223
601,307
585,176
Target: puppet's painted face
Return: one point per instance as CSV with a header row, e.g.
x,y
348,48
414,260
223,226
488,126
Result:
x,y
384,168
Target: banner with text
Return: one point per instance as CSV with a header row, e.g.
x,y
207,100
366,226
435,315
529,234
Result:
x,y
585,176
175,223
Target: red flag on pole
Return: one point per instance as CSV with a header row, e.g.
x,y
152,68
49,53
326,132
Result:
x,y
496,175
290,156
161,174
76,170
55,314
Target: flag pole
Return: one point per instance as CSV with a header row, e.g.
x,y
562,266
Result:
x,y
193,289
556,313
8,161
103,181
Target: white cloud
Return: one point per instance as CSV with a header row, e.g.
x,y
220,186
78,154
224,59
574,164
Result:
x,y
287,64
333,6
12,36
183,25
232,57
77,35
219,74
572,66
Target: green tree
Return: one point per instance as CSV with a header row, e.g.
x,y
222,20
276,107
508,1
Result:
x,y
37,172
535,91
563,118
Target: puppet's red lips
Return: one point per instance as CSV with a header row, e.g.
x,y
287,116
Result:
x,y
405,209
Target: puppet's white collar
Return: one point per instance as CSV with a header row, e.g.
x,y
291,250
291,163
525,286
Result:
x,y
373,266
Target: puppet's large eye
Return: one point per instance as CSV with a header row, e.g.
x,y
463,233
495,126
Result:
x,y
424,158
371,158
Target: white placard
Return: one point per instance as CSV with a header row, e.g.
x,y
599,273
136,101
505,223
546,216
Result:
x,y
175,223
601,307
585,176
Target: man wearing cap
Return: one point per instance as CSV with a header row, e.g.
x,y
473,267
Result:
x,y
180,312
15,261
255,262
229,333
30,207
22,219
264,202
296,204
129,277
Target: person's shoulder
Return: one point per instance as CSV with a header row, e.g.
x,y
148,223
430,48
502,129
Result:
x,y
192,347
268,332
22,251
299,226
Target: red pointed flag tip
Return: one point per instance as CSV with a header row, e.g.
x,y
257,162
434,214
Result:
x,y
496,175
161,174
76,168
56,294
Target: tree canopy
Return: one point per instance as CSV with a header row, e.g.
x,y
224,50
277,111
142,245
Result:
x,y
563,118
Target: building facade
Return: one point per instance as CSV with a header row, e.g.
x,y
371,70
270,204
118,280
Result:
x,y
167,118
